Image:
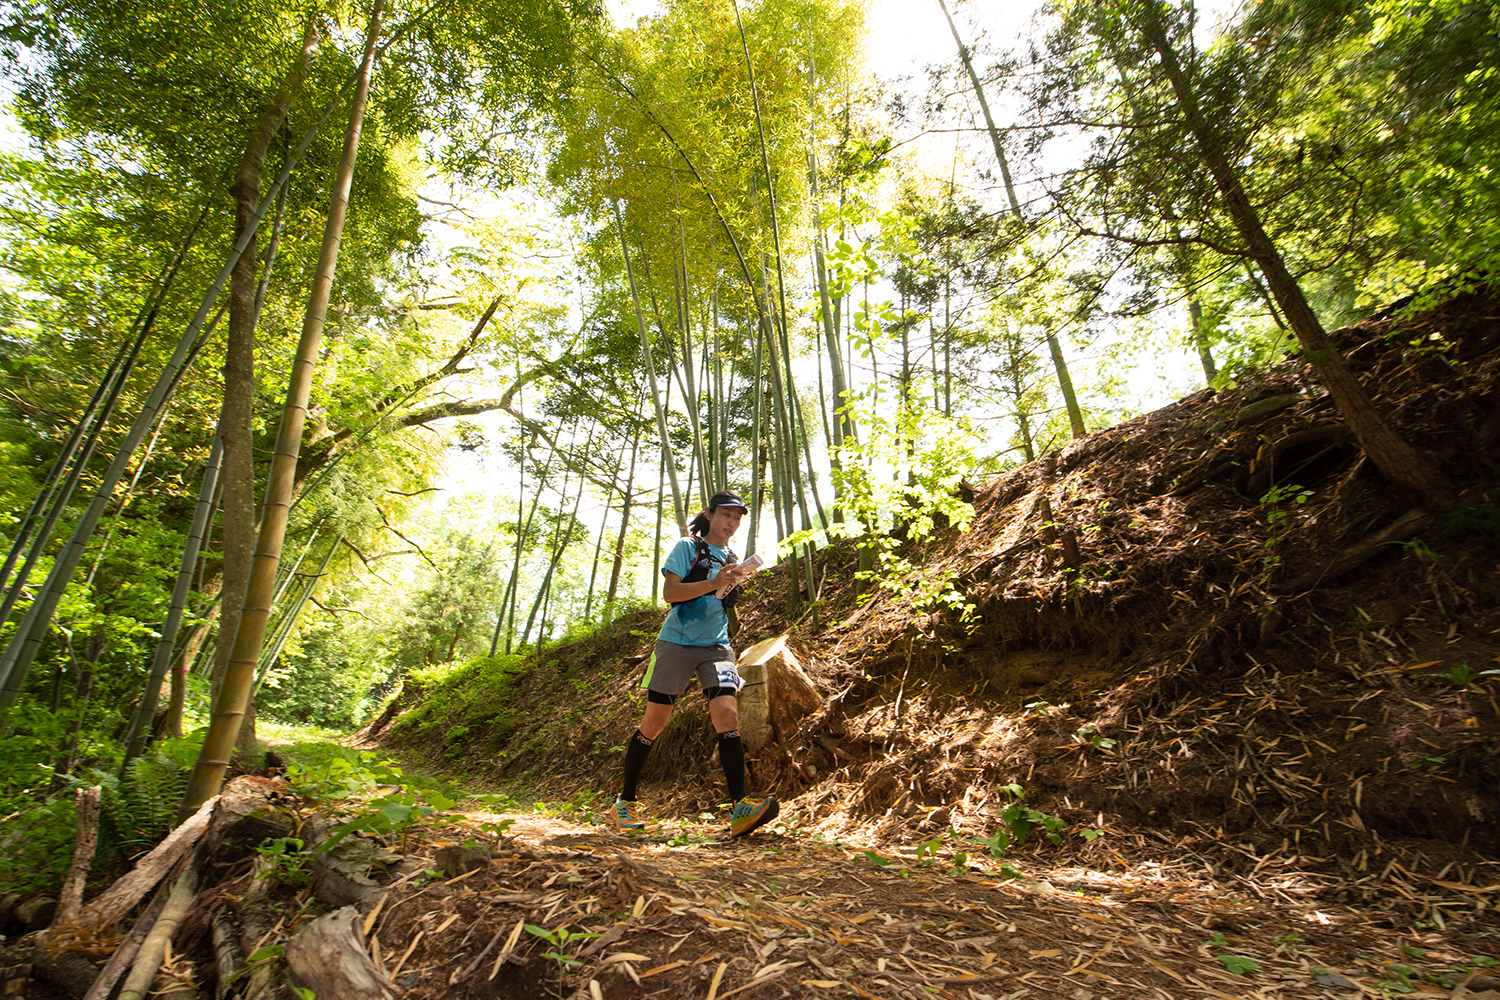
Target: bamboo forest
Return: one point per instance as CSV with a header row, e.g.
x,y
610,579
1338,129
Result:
x,y
1110,389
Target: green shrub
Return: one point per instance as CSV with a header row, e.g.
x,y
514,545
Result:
x,y
475,696
142,808
36,845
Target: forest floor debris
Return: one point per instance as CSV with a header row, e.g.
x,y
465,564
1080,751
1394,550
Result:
x,y
682,911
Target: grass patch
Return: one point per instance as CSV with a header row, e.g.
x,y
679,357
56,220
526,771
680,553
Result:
x,y
461,701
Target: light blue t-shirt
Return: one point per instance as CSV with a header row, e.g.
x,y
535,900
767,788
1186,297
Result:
x,y
701,621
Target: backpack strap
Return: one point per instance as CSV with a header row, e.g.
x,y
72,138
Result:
x,y
702,564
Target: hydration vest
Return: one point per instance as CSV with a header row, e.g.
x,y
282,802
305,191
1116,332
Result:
x,y
701,567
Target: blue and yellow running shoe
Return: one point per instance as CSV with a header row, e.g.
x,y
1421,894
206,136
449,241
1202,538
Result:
x,y
752,814
622,815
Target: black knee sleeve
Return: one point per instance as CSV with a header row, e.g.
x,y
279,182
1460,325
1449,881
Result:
x,y
657,698
714,692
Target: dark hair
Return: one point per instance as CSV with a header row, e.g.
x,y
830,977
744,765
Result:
x,y
699,523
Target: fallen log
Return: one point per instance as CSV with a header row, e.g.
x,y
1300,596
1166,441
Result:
x,y
251,811
148,959
67,972
31,912
124,954
330,957
130,888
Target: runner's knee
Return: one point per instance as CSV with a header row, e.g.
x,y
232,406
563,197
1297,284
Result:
x,y
655,718
724,712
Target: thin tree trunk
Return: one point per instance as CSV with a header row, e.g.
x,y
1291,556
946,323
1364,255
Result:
x,y
629,496
566,537
234,695
840,385
1200,337
1065,383
650,364
516,565
661,499
171,723
236,418
588,601
756,460
1391,453
984,106
140,723
509,602
793,415
289,620
723,395
691,394
1054,347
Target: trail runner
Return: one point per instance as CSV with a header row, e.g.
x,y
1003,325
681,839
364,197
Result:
x,y
694,642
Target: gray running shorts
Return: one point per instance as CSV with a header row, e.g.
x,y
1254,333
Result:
x,y
673,666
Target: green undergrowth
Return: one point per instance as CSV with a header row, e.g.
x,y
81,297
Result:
x,y
137,808
475,710
464,703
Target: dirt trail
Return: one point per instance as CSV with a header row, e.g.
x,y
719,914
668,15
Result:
x,y
684,913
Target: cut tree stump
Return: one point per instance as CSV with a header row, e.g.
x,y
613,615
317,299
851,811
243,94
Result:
x,y
777,693
330,957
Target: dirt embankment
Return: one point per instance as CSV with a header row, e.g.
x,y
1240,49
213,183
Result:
x,y
1165,637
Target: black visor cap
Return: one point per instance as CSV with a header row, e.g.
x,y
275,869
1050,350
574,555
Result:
x,y
727,500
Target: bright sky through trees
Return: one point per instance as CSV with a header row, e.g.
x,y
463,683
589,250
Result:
x,y
905,40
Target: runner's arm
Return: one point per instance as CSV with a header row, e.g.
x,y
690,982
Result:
x,y
674,591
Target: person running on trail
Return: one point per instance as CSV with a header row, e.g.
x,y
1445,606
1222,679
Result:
x,y
694,641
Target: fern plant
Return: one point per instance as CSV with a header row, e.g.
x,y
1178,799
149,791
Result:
x,y
141,808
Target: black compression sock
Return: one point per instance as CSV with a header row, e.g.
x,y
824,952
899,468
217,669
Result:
x,y
636,749
732,756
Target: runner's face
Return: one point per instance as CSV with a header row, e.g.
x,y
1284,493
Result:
x,y
723,523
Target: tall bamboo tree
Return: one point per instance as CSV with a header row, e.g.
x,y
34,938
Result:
x,y
229,708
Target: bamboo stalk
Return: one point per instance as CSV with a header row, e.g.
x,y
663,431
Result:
x,y
140,721
647,360
148,959
234,694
